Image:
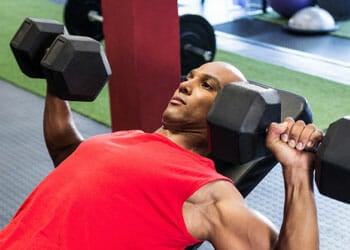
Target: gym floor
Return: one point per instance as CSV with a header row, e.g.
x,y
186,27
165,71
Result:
x,y
32,164
238,32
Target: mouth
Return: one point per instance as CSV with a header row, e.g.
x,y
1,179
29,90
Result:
x,y
177,101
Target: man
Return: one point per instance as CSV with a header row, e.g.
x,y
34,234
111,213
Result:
x,y
135,190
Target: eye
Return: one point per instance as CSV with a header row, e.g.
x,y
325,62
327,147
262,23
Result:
x,y
189,76
207,85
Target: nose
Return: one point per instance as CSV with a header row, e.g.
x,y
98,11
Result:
x,y
185,87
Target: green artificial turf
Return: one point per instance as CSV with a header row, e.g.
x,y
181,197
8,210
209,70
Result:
x,y
329,100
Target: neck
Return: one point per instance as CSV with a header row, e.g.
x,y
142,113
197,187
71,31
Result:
x,y
193,140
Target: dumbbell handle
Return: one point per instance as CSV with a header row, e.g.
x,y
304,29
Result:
x,y
206,54
94,16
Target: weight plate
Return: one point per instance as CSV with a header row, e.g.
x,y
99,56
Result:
x,y
77,21
198,32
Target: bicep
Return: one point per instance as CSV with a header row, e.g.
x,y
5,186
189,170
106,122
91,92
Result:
x,y
243,228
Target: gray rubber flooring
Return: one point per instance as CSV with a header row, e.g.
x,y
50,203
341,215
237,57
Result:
x,y
25,162
327,46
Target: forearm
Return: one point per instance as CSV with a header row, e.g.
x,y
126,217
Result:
x,y
300,228
288,141
61,135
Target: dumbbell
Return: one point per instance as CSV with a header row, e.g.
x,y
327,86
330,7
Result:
x,y
76,67
248,175
238,122
333,161
197,37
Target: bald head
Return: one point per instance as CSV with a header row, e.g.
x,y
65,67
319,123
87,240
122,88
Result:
x,y
224,72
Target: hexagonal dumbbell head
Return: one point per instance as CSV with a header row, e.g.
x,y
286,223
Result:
x,y
238,121
333,161
30,42
76,68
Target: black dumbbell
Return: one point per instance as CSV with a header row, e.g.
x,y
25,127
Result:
x,y
76,67
30,42
248,175
333,161
238,122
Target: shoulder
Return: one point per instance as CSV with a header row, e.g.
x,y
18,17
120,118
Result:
x,y
203,208
226,220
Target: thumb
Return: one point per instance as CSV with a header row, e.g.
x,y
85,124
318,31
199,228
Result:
x,y
275,131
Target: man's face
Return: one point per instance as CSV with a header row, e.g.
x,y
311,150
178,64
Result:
x,y
190,104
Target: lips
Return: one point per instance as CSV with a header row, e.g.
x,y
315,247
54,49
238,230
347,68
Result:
x,y
177,100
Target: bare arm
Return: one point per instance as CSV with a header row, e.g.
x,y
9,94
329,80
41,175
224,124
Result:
x,y
61,135
288,141
234,226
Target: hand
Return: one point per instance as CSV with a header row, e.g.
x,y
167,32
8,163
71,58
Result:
x,y
291,143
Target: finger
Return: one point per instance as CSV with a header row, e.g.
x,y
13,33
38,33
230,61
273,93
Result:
x,y
285,135
314,140
305,137
294,135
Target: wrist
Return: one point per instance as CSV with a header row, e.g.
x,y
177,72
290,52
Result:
x,y
298,178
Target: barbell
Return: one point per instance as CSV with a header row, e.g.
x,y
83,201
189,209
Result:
x,y
197,36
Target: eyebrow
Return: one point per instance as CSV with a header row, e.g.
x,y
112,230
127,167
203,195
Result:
x,y
207,76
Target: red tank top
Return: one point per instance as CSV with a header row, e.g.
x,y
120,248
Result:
x,y
123,190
